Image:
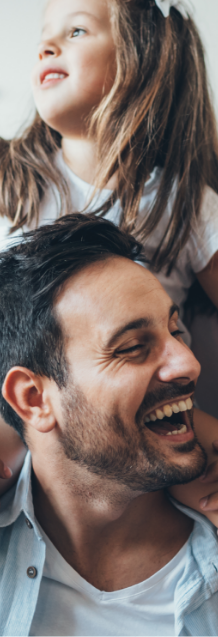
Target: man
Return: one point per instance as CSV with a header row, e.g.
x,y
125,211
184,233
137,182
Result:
x,y
97,380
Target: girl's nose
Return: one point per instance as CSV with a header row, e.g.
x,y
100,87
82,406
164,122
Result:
x,y
48,49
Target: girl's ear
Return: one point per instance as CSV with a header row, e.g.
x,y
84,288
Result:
x,y
26,394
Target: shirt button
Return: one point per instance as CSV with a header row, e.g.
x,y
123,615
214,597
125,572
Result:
x,y
32,572
28,523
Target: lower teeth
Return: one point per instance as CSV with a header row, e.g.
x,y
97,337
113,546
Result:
x,y
182,430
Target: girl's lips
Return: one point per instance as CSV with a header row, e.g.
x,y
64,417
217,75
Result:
x,y
52,75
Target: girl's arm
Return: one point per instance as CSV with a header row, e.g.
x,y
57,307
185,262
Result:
x,y
202,494
12,454
208,278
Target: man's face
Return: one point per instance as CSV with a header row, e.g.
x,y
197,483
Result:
x,y
129,370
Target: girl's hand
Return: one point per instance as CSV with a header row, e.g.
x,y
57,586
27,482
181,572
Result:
x,y
208,278
12,454
209,504
5,472
202,494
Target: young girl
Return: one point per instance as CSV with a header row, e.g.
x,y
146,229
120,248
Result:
x,y
123,118
124,125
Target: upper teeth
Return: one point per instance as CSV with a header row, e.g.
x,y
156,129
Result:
x,y
54,76
168,410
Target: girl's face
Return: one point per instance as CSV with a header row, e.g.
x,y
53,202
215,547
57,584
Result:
x,y
76,65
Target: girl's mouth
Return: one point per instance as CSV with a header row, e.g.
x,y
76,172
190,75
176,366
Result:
x,y
172,421
51,77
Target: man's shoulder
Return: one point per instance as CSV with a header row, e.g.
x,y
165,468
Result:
x,y
196,594
203,545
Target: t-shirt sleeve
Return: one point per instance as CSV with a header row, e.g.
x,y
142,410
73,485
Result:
x,y
6,239
203,242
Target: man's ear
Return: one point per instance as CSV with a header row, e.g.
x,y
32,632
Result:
x,y
27,394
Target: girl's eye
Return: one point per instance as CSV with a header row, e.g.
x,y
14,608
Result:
x,y
75,33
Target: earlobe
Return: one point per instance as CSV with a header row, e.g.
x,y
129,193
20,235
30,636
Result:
x,y
25,393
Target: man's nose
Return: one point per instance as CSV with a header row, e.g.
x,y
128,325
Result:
x,y
177,363
48,49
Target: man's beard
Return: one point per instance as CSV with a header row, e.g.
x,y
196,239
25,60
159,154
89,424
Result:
x,y
104,446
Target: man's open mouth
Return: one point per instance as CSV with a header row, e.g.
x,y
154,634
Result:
x,y
172,419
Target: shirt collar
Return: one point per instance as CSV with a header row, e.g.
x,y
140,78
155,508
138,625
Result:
x,y
19,499
203,544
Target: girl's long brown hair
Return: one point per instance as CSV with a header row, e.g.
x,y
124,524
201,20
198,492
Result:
x,y
158,113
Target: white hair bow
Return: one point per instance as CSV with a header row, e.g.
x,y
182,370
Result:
x,y
165,6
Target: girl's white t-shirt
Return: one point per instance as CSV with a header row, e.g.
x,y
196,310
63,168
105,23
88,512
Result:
x,y
199,249
69,605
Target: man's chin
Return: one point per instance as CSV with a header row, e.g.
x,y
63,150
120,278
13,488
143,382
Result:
x,y
185,463
194,462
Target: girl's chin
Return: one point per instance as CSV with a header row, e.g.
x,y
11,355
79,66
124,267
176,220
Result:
x,y
66,122
52,116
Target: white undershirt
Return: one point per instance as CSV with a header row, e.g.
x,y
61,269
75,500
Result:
x,y
68,605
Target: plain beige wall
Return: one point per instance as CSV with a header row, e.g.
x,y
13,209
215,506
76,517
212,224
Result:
x,y
19,35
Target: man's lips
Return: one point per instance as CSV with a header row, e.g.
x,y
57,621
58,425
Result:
x,y
51,74
172,420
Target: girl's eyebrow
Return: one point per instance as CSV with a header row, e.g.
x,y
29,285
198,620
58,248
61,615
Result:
x,y
72,15
90,15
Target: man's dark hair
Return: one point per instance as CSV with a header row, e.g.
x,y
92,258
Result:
x,y
31,276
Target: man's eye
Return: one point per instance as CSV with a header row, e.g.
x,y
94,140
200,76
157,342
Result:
x,y
176,333
129,350
75,33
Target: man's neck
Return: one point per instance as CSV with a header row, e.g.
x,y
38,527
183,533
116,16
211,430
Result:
x,y
112,541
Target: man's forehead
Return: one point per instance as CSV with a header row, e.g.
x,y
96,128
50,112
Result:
x,y
110,294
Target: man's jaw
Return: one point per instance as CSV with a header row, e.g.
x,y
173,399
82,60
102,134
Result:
x,y
172,420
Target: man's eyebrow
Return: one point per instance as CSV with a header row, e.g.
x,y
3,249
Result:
x,y
174,308
133,325
72,15
137,325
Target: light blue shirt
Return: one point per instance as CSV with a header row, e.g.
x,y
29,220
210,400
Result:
x,y
22,559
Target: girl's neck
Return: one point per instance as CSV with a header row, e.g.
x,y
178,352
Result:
x,y
80,154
